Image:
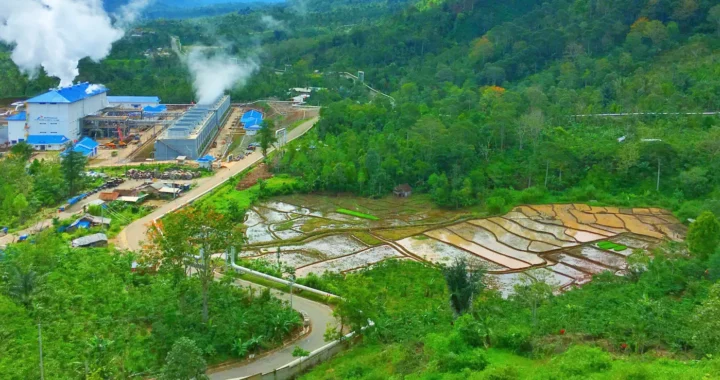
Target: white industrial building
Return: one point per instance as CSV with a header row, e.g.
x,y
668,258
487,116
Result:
x,y
133,102
53,119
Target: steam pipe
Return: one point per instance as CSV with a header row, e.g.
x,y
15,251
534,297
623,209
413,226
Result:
x,y
241,269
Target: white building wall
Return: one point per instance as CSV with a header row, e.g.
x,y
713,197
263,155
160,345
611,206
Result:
x,y
63,119
16,131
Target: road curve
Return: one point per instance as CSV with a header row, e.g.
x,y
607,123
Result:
x,y
320,315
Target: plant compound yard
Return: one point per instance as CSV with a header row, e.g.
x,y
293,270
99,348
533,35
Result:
x,y
561,244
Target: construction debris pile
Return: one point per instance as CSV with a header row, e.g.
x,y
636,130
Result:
x,y
172,174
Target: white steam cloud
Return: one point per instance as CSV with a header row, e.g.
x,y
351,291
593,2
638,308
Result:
x,y
271,22
57,34
212,76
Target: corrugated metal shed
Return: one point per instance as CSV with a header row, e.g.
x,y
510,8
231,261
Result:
x,y
94,239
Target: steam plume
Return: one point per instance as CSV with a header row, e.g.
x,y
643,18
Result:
x,y
57,34
213,75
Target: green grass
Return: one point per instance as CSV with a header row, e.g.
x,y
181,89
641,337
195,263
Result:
x,y
608,245
367,238
356,214
275,285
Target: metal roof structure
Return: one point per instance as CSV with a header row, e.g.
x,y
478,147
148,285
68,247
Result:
x,y
69,94
133,99
86,146
159,109
89,240
47,139
21,116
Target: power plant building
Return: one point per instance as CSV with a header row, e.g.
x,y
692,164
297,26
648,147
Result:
x,y
53,119
191,134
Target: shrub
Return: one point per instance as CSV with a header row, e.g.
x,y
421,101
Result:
x,y
532,195
495,205
474,360
501,373
516,338
582,361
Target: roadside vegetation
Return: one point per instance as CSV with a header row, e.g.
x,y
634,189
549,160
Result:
x,y
101,318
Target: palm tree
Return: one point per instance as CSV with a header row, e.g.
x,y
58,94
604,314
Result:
x,y
23,285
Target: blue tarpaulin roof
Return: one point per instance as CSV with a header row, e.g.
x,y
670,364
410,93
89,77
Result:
x,y
252,114
133,99
47,139
159,109
70,94
252,127
22,116
206,158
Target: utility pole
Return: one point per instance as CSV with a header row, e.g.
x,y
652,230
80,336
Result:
x,y
42,369
292,282
277,255
657,188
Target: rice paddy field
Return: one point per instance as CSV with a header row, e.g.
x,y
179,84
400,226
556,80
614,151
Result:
x,y
561,244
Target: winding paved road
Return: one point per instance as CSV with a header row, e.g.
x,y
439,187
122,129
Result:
x,y
320,315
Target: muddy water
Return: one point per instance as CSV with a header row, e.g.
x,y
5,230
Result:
x,y
602,257
554,279
563,213
585,237
329,246
517,229
578,276
557,231
502,235
633,224
488,240
342,264
583,265
442,253
292,259
450,238
609,220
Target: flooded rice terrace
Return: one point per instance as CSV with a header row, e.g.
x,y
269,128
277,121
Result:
x,y
561,244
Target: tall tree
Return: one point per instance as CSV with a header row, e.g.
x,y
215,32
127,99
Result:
x,y
704,235
267,136
73,167
24,285
463,284
189,240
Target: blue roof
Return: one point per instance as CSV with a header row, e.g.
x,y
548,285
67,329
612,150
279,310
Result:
x,y
254,127
86,146
70,94
159,109
133,99
46,139
252,114
206,158
22,116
